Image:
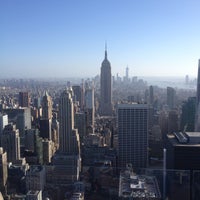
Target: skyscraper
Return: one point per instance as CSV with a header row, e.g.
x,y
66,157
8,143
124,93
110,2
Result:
x,y
89,106
24,99
106,88
132,135
151,95
46,106
171,97
66,161
78,94
10,142
69,138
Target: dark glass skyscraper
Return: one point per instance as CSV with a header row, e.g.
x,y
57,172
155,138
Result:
x,y
106,87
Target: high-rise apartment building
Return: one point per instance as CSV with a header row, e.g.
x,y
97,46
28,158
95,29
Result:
x,y
106,88
24,99
132,135
10,142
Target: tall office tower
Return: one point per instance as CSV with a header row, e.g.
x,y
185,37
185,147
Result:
x,y
106,88
132,135
89,106
188,114
78,95
67,161
10,142
171,97
46,106
3,122
69,138
24,99
151,95
3,170
197,115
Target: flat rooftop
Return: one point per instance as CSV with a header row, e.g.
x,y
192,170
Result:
x,y
138,186
186,138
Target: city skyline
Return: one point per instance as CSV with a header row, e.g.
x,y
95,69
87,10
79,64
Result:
x,y
67,38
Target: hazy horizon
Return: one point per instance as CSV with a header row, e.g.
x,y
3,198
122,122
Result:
x,y
67,38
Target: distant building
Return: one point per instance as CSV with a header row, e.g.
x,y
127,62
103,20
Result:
x,y
171,97
78,95
46,106
89,106
106,88
188,114
151,95
197,115
21,117
132,135
173,121
24,99
10,142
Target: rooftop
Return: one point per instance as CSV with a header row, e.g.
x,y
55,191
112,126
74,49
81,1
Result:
x,y
140,186
186,138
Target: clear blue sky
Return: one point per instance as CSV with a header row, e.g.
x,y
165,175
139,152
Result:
x,y
66,38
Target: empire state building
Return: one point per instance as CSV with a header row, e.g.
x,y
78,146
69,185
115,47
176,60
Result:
x,y
106,85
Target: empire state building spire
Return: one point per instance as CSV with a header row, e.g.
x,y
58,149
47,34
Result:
x,y
106,51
